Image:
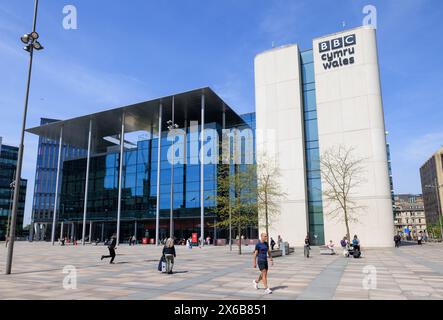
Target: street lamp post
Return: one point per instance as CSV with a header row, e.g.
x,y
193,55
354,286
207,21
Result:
x,y
31,42
437,187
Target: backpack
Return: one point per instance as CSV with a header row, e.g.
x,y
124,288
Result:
x,y
343,243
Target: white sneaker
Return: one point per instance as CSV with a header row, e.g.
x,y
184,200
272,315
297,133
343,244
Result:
x,y
268,291
255,284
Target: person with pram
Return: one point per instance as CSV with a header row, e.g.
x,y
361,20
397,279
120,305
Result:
x,y
351,249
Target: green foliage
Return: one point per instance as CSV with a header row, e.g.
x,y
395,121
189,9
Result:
x,y
236,197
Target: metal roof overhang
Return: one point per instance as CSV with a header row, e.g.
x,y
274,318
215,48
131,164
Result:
x,y
138,117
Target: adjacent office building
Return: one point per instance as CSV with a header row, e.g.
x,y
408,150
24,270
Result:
x,y
431,174
409,214
126,183
45,181
8,165
312,101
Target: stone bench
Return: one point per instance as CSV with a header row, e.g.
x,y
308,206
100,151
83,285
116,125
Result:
x,y
279,252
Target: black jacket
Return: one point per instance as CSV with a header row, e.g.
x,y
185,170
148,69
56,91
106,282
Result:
x,y
113,244
169,250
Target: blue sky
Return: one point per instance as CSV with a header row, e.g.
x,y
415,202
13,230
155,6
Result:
x,y
128,51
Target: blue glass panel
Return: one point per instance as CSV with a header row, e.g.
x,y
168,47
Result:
x,y
313,159
310,115
308,73
309,86
312,144
311,129
309,101
307,56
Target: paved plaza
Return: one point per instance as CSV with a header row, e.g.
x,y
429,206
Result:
x,y
214,273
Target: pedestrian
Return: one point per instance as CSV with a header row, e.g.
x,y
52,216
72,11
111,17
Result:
x,y
272,244
134,240
419,238
307,246
344,245
279,241
356,243
169,254
261,255
111,249
397,240
331,246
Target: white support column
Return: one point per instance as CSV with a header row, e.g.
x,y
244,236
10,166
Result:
x,y
202,172
135,229
54,215
157,216
90,231
85,205
120,178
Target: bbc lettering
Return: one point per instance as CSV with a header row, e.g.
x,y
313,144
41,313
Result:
x,y
337,43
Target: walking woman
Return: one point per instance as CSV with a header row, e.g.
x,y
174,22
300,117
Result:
x,y
169,254
111,248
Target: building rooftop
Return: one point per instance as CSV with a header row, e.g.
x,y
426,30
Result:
x,y
141,116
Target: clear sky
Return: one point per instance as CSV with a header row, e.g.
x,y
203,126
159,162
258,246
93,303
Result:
x,y
133,50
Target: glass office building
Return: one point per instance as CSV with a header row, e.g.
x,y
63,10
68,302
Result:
x,y
8,165
150,183
45,180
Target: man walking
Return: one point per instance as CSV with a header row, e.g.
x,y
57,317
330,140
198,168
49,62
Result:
x,y
397,240
261,255
111,248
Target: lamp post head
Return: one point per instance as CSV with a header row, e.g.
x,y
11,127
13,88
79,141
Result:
x,y
28,48
34,35
37,46
25,38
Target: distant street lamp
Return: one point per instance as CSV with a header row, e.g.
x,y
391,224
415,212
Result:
x,y
437,187
31,42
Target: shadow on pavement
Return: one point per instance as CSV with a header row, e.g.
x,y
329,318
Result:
x,y
279,288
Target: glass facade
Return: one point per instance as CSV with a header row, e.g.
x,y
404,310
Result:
x,y
8,165
139,189
45,178
315,205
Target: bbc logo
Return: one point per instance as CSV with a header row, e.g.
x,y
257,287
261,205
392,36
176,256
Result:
x,y
337,43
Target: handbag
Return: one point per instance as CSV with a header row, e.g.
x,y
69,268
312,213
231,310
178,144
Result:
x,y
162,264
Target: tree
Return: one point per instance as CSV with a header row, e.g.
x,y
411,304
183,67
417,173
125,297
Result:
x,y
269,191
434,229
340,171
236,203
